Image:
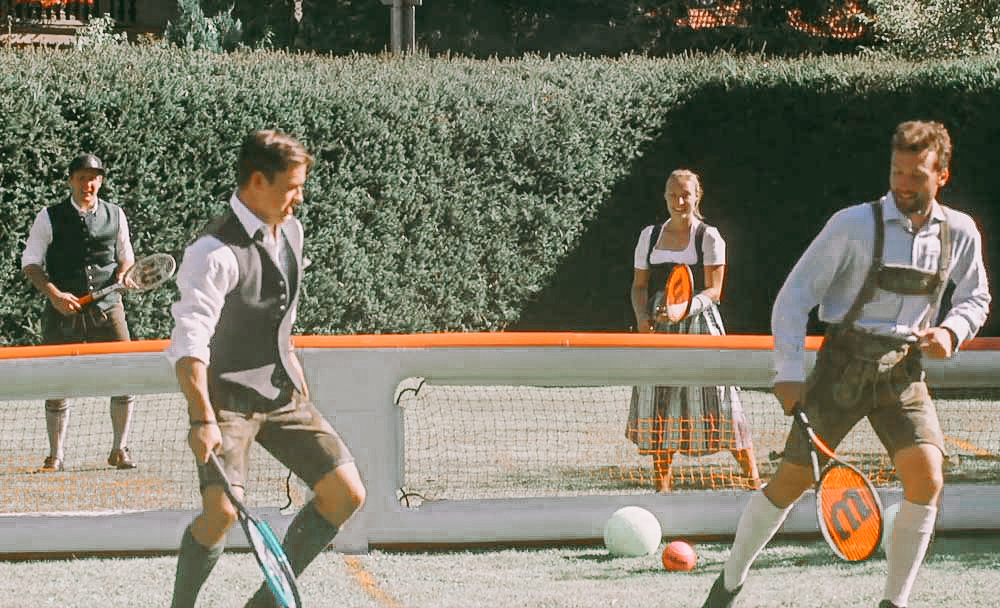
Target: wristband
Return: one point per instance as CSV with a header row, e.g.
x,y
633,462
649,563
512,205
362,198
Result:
x,y
195,423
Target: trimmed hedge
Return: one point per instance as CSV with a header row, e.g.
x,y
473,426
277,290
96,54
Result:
x,y
455,194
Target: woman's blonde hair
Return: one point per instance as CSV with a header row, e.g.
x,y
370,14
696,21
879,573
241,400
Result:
x,y
678,175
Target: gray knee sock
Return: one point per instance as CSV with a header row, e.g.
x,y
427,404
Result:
x,y
308,534
194,563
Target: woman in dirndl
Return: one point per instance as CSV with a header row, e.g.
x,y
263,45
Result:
x,y
690,420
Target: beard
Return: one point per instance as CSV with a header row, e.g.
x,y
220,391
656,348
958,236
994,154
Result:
x,y
916,203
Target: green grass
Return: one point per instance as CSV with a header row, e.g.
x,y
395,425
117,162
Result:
x,y
961,571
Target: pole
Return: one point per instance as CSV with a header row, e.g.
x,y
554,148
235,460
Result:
x,y
404,26
397,26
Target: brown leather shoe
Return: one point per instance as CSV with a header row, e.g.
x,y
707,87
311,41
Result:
x,y
52,464
121,459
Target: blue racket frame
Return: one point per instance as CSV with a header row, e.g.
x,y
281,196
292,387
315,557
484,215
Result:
x,y
270,554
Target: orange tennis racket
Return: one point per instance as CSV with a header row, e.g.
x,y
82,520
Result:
x,y
847,506
677,294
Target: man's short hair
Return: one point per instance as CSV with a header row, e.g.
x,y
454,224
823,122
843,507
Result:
x,y
920,135
269,152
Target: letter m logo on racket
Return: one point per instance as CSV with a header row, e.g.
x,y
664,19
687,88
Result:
x,y
847,506
849,513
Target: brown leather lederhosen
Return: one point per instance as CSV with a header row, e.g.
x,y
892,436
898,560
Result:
x,y
857,374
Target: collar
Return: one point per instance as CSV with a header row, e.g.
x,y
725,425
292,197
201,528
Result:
x,y
251,223
81,210
691,225
891,213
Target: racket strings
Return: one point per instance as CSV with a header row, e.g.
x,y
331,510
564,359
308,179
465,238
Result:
x,y
152,270
850,511
677,294
277,572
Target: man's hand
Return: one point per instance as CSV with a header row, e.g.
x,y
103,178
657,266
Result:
x,y
790,394
65,303
120,277
204,439
936,342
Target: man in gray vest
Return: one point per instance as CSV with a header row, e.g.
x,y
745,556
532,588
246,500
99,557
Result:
x,y
74,247
231,348
877,271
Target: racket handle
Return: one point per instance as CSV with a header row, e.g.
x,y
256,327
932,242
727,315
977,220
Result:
x,y
803,421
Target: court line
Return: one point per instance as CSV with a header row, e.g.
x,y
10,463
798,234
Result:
x,y
976,450
367,581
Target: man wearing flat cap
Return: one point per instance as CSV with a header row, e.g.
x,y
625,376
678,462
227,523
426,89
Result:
x,y
76,246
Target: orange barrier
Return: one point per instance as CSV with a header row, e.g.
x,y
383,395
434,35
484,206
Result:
x,y
465,340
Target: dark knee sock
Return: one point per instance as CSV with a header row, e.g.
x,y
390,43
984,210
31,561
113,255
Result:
x,y
194,563
308,534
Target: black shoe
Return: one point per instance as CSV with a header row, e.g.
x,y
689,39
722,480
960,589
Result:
x,y
719,596
887,604
121,459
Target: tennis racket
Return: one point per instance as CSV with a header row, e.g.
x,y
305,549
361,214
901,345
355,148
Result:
x,y
147,273
677,294
266,548
847,506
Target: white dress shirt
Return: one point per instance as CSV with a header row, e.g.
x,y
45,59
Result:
x,y
833,268
40,237
713,248
207,273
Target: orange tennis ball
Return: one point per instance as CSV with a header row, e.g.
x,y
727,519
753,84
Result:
x,y
678,556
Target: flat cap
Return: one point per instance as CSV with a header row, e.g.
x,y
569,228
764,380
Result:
x,y
86,161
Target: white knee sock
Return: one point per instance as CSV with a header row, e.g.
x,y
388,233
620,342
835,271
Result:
x,y
911,534
121,420
56,424
758,523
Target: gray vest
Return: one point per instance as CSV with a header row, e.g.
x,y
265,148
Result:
x,y
250,367
83,255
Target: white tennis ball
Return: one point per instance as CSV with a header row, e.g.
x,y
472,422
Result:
x,y
888,520
631,532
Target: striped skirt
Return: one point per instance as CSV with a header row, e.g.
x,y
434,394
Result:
x,y
689,420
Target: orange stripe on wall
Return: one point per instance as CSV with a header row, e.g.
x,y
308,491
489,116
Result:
x,y
464,340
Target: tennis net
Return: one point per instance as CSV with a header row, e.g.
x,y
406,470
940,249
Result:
x,y
442,424
465,442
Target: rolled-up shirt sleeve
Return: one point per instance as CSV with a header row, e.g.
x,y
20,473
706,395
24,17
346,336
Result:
x,y
806,286
971,298
126,255
208,271
38,241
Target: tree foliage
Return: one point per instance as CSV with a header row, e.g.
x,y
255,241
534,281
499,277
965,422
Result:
x,y
513,28
194,30
937,28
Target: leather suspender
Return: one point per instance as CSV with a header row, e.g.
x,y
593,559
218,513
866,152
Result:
x,y
867,292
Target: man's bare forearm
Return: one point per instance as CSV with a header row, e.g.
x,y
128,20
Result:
x,y
39,278
192,375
